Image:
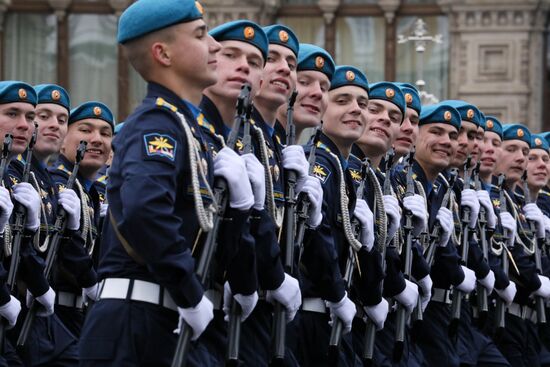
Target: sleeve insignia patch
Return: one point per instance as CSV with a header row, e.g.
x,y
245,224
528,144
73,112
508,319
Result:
x,y
321,172
159,145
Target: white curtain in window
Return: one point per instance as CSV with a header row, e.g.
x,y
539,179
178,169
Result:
x,y
360,41
30,52
93,59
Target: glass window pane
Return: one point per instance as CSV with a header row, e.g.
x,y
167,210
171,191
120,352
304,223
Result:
x,y
360,2
138,89
30,48
93,59
435,63
360,41
307,29
420,1
298,2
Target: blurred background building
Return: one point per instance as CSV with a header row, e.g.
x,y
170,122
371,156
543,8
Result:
x,y
493,53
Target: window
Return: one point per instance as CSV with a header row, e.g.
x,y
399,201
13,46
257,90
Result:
x,y
307,29
137,89
435,66
360,42
93,59
30,48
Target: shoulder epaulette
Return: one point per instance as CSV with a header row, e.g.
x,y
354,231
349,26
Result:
x,y
201,120
323,146
160,102
62,168
102,179
20,158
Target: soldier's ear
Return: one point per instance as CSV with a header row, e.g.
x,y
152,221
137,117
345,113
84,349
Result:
x,y
161,53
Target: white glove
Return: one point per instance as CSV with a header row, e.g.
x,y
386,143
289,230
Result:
x,y
71,203
247,302
378,313
509,223
469,199
46,300
426,285
197,317
417,205
27,196
232,168
365,217
288,294
91,293
485,202
488,282
103,210
10,311
409,296
469,282
344,310
532,212
294,159
312,187
547,225
6,208
256,175
544,289
508,293
445,218
391,205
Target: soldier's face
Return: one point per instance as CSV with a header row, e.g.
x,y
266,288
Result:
x,y
436,145
345,118
312,100
238,63
490,152
513,159
478,146
537,173
383,120
466,143
193,52
17,119
408,132
279,76
52,128
98,134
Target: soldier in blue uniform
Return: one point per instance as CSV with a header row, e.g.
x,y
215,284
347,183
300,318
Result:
x,y
50,341
518,342
17,104
146,263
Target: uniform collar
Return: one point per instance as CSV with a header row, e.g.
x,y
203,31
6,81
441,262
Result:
x,y
156,90
421,177
327,144
64,164
356,151
213,116
260,122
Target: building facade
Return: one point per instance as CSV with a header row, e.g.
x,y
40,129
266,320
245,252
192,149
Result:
x,y
493,53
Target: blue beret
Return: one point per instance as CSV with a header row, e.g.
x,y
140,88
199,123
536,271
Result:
x,y
516,132
546,135
51,93
315,58
468,112
411,96
348,75
389,92
539,142
119,127
147,16
440,113
244,31
92,110
494,125
12,91
281,35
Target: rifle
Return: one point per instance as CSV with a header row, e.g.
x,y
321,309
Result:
x,y
56,235
20,219
456,305
279,320
429,254
302,212
221,198
337,325
235,310
6,149
401,318
501,305
481,291
539,301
